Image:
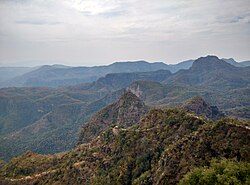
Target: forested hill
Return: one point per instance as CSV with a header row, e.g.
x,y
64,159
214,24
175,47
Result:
x,y
160,148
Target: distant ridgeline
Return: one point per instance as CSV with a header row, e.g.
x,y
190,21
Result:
x,y
127,143
60,75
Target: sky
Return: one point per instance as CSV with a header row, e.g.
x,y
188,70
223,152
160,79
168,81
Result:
x,y
98,32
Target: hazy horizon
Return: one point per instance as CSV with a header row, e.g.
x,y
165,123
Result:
x,y
100,32
29,64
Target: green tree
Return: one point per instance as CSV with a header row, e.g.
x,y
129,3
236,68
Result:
x,y
225,171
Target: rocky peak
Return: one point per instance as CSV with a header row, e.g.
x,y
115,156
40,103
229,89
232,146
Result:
x,y
199,106
135,89
125,112
128,98
209,63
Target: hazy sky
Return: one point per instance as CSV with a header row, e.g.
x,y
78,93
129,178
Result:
x,y
94,32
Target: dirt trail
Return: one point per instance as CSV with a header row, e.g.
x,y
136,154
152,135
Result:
x,y
31,177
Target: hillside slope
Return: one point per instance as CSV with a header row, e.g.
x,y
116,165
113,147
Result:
x,y
124,113
211,72
233,102
159,149
225,139
199,106
220,83
115,81
47,120
56,128
7,73
54,76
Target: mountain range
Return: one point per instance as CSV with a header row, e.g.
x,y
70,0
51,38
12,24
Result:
x,y
210,71
153,127
54,76
7,73
60,75
48,120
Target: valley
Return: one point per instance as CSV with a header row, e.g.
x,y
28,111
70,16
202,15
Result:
x,y
147,127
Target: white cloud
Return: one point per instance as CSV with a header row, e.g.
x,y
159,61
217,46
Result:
x,y
101,31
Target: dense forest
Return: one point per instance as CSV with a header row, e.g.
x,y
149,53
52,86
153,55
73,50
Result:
x,y
166,146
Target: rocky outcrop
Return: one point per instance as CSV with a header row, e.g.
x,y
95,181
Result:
x,y
199,106
123,113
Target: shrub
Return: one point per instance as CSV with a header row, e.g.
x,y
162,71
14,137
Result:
x,y
225,171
